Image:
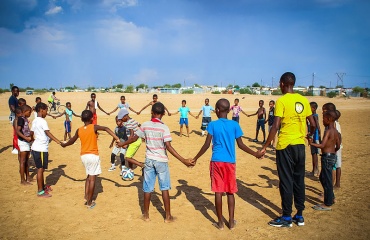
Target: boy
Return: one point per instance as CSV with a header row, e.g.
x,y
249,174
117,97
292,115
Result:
x,y
222,166
92,105
121,133
184,110
261,116
13,104
41,133
338,165
316,139
155,100
68,122
51,99
37,100
89,152
158,140
270,120
330,144
206,119
236,110
24,139
18,112
123,104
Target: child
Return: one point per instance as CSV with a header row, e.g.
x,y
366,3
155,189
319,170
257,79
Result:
x,y
68,122
92,105
41,133
123,104
121,133
206,119
37,100
261,116
338,165
184,110
134,142
24,139
18,113
155,100
89,152
158,140
223,133
316,139
330,144
236,110
270,120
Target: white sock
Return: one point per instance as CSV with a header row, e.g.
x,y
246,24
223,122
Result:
x,y
113,165
202,132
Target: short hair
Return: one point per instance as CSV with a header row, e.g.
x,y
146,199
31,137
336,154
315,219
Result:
x,y
236,99
272,101
288,78
86,115
18,110
92,94
158,108
329,107
14,87
123,97
155,95
38,98
261,101
22,101
207,99
331,115
40,106
67,103
223,105
26,108
53,93
183,101
338,114
314,104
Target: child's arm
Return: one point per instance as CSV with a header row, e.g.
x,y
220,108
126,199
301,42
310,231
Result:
x,y
131,139
145,107
102,109
175,113
192,115
249,115
187,162
246,149
133,110
317,125
74,114
169,114
204,148
322,144
338,142
63,113
244,113
20,134
111,144
71,141
51,136
110,132
264,113
199,113
113,110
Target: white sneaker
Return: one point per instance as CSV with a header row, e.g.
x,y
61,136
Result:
x,y
124,169
112,168
15,151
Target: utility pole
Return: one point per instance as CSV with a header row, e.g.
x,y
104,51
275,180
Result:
x,y
340,79
184,82
313,80
272,82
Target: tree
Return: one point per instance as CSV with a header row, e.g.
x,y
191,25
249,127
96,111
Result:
x,y
11,85
197,85
142,85
215,86
119,85
256,84
322,87
357,89
167,85
229,86
177,85
236,86
129,89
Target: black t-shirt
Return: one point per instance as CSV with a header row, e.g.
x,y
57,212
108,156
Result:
x,y
271,116
25,130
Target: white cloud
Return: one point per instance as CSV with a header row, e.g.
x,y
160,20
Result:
x,y
146,76
54,10
114,5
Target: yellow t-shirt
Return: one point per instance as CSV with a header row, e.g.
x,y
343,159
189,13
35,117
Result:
x,y
293,109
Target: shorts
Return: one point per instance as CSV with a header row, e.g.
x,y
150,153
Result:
x,y
314,150
91,163
260,124
270,126
15,140
95,119
184,121
338,164
133,147
41,159
205,121
67,126
236,119
24,146
155,168
118,150
223,177
11,117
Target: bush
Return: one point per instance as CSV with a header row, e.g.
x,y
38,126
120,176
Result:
x,y
245,91
2,90
129,89
216,92
187,91
38,90
331,94
277,92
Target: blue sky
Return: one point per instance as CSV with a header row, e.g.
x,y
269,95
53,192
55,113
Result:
x,y
60,43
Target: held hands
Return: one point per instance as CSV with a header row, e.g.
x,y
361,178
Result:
x,y
189,162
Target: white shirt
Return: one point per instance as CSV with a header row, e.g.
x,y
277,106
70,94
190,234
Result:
x,y
41,143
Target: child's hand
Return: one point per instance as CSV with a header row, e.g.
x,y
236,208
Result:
x,y
259,154
28,139
63,144
111,145
54,117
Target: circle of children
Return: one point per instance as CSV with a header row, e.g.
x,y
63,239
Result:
x,y
289,119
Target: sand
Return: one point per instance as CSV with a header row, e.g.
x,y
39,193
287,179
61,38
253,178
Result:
x,y
119,203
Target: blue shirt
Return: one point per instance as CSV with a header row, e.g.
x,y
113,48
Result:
x,y
70,114
184,112
224,132
121,106
13,101
207,110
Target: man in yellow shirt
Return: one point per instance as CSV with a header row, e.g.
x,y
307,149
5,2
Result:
x,y
291,112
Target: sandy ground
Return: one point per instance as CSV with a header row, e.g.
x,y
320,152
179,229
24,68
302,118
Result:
x,y
119,203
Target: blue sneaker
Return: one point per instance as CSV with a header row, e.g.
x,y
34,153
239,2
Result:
x,y
299,220
280,222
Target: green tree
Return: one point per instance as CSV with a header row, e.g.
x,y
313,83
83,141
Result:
x,y
119,85
197,85
177,85
256,84
167,85
358,89
236,86
11,85
321,86
229,86
187,91
129,89
143,86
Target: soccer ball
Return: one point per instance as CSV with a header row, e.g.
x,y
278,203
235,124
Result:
x,y
127,175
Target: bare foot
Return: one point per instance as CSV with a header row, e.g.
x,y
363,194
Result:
x,y
170,219
26,183
145,218
30,180
220,226
232,225
336,188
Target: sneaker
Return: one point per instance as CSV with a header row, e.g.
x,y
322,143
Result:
x,y
43,194
255,140
263,142
299,220
112,168
48,188
280,222
14,151
124,169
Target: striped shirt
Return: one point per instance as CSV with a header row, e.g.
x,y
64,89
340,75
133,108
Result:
x,y
132,124
155,134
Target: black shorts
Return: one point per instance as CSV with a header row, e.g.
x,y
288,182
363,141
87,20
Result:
x,y
205,121
41,159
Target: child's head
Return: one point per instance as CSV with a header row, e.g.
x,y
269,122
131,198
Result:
x,y
18,111
206,101
119,122
338,115
329,117
93,96
123,99
236,101
271,103
26,111
314,107
21,102
68,105
53,93
38,99
222,107
87,116
183,103
155,97
260,103
328,107
123,115
158,110
41,109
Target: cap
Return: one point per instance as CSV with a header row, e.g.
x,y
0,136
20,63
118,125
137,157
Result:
x,y
123,112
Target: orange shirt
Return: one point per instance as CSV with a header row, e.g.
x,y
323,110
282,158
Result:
x,y
89,140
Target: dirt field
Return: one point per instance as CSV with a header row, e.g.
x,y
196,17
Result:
x,y
119,203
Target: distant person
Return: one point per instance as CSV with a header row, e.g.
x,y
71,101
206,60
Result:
x,y
155,100
21,103
236,109
92,105
270,120
123,104
291,112
121,133
184,120
206,119
51,99
68,113
223,133
89,152
330,144
261,116
316,139
13,104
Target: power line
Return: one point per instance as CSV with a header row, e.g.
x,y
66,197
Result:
x,y
340,78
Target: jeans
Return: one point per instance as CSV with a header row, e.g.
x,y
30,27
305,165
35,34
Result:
x,y
327,163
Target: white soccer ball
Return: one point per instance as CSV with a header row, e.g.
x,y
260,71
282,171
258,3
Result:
x,y
127,175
